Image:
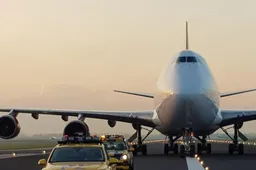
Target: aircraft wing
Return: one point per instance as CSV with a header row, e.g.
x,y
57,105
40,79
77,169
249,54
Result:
x,y
141,117
236,92
230,117
136,94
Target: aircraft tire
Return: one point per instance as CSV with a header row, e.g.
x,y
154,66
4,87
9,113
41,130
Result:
x,y
166,149
182,151
131,167
241,149
144,149
230,148
199,148
176,148
209,148
192,150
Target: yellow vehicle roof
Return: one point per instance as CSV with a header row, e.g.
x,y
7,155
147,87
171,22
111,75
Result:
x,y
78,145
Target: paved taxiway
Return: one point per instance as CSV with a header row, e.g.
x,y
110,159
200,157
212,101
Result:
x,y
219,160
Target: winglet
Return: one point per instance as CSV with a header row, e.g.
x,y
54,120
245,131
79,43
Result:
x,y
187,35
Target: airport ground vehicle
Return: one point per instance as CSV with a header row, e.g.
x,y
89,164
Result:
x,y
79,153
117,147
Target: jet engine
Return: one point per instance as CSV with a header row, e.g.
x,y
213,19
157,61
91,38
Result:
x,y
111,123
76,126
9,127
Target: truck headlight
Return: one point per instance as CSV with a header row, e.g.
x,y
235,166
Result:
x,y
125,157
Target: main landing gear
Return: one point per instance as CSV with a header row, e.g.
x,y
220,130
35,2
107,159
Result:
x,y
140,147
171,146
187,147
203,146
235,146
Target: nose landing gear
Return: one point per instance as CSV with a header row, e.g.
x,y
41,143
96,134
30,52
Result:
x,y
187,147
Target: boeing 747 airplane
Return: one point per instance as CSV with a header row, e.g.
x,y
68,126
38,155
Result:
x,y
187,106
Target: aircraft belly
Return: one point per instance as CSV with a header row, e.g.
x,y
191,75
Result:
x,y
192,111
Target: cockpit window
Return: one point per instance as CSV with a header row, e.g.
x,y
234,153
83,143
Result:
x,y
191,59
181,60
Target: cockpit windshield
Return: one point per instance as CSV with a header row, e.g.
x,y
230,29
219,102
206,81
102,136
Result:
x,y
181,59
189,59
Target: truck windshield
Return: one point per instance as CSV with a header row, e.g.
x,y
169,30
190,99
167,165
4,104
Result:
x,y
115,145
77,154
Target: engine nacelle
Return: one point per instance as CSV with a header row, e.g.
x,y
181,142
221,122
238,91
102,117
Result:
x,y
9,127
75,127
111,123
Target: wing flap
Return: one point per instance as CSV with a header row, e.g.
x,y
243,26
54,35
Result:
x,y
141,117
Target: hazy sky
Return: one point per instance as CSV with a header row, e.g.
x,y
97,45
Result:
x,y
101,45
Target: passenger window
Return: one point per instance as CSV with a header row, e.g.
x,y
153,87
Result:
x,y
191,59
181,60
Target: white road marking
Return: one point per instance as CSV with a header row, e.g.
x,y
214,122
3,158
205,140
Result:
x,y
193,164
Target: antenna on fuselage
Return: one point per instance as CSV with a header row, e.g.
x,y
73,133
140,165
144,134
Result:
x,y
186,35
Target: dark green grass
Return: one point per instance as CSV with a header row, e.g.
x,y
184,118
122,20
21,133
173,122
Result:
x,y
27,144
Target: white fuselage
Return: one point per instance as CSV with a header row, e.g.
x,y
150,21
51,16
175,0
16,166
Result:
x,y
188,98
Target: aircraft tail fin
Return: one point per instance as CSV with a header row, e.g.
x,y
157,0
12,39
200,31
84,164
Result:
x,y
187,43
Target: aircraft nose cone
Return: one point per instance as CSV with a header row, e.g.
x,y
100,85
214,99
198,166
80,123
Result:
x,y
188,80
185,91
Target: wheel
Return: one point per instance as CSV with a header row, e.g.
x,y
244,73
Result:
x,y
166,149
192,150
230,148
199,148
144,149
241,149
135,150
132,163
182,151
209,148
176,148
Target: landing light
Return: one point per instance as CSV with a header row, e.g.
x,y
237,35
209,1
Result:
x,y
201,162
13,154
44,152
196,155
206,168
198,158
124,157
